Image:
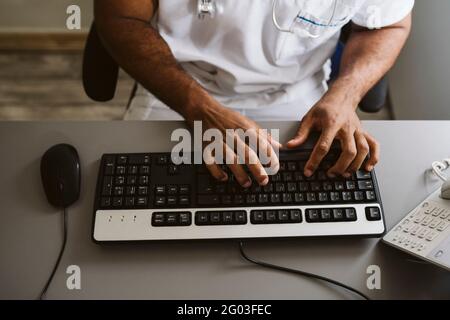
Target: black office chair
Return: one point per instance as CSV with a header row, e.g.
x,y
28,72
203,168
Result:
x,y
100,74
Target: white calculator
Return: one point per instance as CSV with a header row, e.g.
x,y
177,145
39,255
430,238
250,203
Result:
x,y
425,231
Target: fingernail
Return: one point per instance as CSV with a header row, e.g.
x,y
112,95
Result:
x,y
224,177
347,175
308,173
265,181
369,168
247,184
331,175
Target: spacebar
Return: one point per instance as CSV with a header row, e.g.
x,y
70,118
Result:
x,y
208,200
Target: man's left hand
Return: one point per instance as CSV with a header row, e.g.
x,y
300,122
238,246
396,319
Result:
x,y
336,118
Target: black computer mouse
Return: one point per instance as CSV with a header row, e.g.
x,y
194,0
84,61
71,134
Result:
x,y
61,175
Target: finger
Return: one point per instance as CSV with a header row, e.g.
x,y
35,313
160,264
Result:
x,y
320,150
238,171
347,156
363,150
374,157
215,170
253,163
267,155
302,133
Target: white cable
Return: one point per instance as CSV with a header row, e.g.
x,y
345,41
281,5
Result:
x,y
439,167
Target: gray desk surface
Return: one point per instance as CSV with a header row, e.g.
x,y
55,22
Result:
x,y
30,229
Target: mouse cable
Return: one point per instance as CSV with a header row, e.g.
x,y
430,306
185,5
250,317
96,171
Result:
x,y
298,272
61,252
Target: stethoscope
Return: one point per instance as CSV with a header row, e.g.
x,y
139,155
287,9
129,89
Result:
x,y
208,8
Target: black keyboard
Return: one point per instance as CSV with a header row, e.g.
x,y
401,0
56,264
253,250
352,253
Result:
x,y
147,197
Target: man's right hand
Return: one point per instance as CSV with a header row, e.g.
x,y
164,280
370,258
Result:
x,y
215,116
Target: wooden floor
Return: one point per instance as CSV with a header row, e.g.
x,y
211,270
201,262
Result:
x,y
47,86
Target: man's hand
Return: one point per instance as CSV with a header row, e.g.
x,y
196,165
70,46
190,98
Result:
x,y
337,119
367,56
214,116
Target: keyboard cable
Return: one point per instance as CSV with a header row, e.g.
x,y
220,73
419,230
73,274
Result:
x,y
61,253
297,272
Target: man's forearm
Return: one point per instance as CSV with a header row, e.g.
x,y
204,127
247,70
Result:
x,y
367,57
143,53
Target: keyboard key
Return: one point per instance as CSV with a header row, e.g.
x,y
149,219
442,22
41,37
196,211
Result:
x,y
129,201
350,214
361,174
184,189
172,201
184,219
271,216
335,196
283,216
358,196
105,202
110,160
184,201
338,214
315,186
131,180
263,198
141,201
132,170
162,159
257,217
120,180
202,218
250,199
145,170
143,191
312,215
226,200
346,196
117,202
118,191
291,187
208,200
370,195
160,201
325,215
323,197
107,186
172,189
275,198
215,217
299,198
173,170
311,197
350,185
238,199
373,213
130,191
365,185
295,216
227,217
120,170
240,217
160,190
122,160
280,187
158,219
339,186
143,180
286,198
